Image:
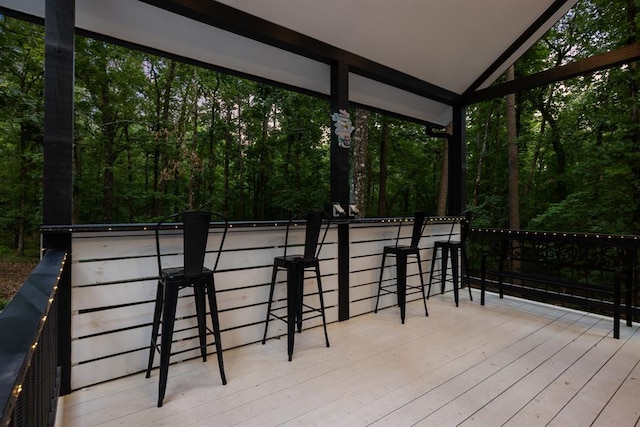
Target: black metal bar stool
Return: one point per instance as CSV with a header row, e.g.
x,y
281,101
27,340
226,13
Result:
x,y
296,265
193,274
401,253
457,250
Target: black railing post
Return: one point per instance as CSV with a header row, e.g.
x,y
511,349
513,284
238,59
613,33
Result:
x,y
616,304
57,204
340,183
458,163
630,270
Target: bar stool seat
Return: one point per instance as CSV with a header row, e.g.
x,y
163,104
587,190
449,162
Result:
x,y
401,253
171,280
296,265
455,248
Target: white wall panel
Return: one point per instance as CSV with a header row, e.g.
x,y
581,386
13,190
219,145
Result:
x,y
113,285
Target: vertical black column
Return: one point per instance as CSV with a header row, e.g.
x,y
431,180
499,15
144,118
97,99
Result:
x,y
58,157
340,183
458,163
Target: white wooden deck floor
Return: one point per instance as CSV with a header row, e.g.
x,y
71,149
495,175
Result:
x,y
510,363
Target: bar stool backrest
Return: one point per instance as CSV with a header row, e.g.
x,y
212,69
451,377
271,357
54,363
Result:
x,y
312,235
195,233
418,228
465,223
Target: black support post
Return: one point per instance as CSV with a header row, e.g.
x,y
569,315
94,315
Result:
x,y
340,183
58,157
458,163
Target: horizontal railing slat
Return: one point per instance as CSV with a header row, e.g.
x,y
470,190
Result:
x,y
113,285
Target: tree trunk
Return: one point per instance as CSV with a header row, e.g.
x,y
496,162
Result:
x,y
512,138
194,172
382,195
163,99
443,188
483,154
558,148
109,132
240,159
227,163
632,16
22,148
130,174
360,150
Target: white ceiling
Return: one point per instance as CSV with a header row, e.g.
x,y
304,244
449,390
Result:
x,y
447,43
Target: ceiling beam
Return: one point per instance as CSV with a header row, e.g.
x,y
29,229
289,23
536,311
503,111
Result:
x,y
524,38
623,55
238,22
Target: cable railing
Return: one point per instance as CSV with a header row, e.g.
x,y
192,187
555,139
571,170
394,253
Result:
x,y
30,379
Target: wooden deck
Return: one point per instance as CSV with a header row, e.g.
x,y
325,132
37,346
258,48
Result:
x,y
511,363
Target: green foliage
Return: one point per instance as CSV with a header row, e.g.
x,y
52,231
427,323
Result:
x,y
155,136
578,140
21,121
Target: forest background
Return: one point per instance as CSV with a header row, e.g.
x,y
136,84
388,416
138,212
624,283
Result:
x,y
155,136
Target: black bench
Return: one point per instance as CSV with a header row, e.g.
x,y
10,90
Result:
x,y
572,273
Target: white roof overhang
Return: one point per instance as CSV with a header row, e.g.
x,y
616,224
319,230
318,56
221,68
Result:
x,y
415,58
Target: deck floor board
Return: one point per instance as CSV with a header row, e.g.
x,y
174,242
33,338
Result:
x,y
511,362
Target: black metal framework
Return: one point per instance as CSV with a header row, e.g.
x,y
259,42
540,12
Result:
x,y
623,55
30,380
57,204
457,196
526,35
192,274
574,269
295,266
59,110
340,183
401,253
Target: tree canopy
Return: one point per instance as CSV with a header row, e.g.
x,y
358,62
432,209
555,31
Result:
x,y
154,136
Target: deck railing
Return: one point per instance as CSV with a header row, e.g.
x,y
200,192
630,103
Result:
x,y
583,258
29,383
112,284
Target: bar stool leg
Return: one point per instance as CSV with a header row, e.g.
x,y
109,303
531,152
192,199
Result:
x,y
454,271
445,262
401,282
424,297
320,295
274,273
157,312
292,300
433,265
215,323
300,296
199,296
384,257
168,319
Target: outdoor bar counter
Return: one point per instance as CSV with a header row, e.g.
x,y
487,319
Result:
x,y
114,273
